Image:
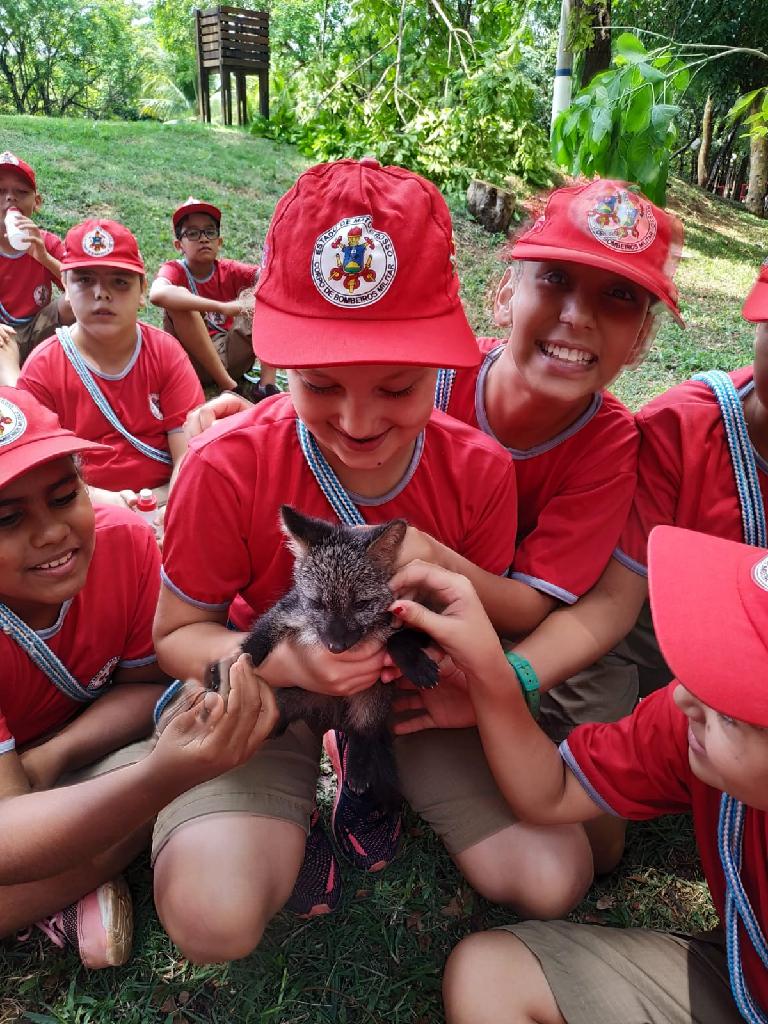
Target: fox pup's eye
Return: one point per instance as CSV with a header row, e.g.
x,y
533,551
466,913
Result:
x,y
360,606
315,603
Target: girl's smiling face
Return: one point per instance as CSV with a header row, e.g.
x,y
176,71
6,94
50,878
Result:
x,y
573,327
46,540
365,418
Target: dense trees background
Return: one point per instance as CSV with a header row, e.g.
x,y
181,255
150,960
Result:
x,y
454,88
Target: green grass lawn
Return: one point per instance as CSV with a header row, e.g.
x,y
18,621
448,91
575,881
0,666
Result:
x,y
380,957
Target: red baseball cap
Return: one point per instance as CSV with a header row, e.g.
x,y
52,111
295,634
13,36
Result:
x,y
12,163
709,599
101,243
30,434
327,296
193,205
755,308
610,225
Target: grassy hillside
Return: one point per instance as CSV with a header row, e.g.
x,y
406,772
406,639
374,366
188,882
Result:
x,y
380,957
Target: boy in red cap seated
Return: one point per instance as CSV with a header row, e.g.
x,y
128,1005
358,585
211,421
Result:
x,y
357,438
28,311
699,745
111,378
202,294
71,708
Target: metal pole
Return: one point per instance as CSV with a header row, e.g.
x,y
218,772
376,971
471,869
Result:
x,y
561,92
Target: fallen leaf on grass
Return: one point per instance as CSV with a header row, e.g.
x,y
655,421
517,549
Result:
x,y
605,902
413,922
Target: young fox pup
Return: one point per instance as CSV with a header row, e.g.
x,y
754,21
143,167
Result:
x,y
340,597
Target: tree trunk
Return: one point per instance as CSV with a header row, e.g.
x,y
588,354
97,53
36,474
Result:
x,y
706,142
758,170
597,57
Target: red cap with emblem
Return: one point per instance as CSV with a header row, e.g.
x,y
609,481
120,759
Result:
x,y
700,584
755,308
192,205
102,243
610,225
30,435
318,303
10,162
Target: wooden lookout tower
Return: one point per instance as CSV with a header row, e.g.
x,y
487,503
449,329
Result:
x,y
232,41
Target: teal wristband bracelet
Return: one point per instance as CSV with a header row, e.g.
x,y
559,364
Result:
x,y
529,682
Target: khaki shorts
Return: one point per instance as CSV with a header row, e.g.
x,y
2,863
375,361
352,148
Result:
x,y
443,774
129,754
42,326
609,689
632,975
234,348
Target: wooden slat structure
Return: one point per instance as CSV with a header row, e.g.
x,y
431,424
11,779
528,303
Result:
x,y
232,41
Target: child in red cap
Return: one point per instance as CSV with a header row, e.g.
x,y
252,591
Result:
x,y
202,295
28,311
111,378
69,706
699,745
358,297
704,443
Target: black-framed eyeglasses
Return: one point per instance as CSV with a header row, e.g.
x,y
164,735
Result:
x,y
195,234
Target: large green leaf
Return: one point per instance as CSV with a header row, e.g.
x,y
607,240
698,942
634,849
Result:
x,y
638,116
629,47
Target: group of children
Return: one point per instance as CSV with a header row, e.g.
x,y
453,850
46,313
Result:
x,y
531,495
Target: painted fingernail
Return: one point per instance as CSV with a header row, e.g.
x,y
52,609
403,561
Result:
x,y
397,609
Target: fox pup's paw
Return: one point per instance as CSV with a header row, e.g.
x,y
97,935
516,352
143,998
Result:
x,y
405,646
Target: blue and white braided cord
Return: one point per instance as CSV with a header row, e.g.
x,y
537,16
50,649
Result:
x,y
443,386
327,480
14,321
41,655
742,456
81,369
729,836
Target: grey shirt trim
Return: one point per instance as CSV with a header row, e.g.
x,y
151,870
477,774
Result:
x,y
49,631
204,605
594,796
382,499
629,563
126,369
547,588
539,449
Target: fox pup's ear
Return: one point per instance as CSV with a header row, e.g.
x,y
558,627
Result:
x,y
384,542
302,532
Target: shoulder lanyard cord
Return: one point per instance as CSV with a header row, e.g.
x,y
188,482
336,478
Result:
x,y
81,369
731,820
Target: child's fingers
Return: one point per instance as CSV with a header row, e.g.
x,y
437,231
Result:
x,y
407,701
414,723
419,576
417,616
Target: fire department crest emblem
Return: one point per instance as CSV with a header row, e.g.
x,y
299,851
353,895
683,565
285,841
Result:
x,y
13,422
353,264
42,295
98,242
622,221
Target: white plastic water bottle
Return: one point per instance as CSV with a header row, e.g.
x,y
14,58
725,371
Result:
x,y
17,237
146,506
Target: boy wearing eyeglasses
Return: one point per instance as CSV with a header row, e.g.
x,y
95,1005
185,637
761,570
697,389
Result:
x,y
202,294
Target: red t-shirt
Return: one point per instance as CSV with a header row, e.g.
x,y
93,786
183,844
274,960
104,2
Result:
x,y
222,540
574,491
685,473
106,625
225,282
26,285
151,397
638,768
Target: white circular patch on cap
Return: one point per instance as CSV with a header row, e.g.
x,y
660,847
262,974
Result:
x,y
13,422
8,158
622,221
98,242
353,264
760,573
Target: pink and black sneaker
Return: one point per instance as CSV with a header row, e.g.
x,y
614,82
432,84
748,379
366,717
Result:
x,y
318,887
366,834
99,926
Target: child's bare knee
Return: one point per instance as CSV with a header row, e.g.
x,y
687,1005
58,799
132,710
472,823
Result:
x,y
481,984
215,926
